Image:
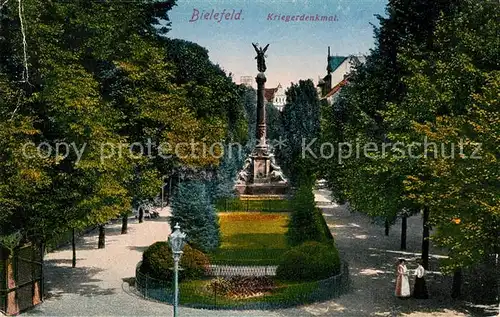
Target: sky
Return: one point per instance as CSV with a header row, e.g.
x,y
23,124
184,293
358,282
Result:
x,y
297,49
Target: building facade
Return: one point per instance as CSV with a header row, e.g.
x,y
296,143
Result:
x,y
247,81
338,69
276,96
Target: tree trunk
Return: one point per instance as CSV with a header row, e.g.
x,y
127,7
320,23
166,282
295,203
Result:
x,y
404,225
386,227
141,214
425,239
102,237
73,247
124,223
42,269
457,284
169,191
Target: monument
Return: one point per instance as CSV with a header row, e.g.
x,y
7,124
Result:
x,y
261,175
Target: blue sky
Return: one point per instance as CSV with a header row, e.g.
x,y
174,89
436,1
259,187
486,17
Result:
x,y
297,49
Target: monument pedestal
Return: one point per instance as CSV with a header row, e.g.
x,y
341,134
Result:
x,y
260,174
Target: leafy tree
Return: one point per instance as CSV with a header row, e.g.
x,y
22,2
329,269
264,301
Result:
x,y
431,75
210,92
301,124
374,184
274,123
23,176
459,112
222,187
101,73
248,96
192,208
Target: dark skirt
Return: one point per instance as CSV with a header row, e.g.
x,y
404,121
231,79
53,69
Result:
x,y
420,289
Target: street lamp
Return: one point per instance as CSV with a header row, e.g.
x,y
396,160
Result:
x,y
176,241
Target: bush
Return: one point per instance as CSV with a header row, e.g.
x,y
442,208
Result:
x,y
304,225
157,262
192,208
309,261
327,234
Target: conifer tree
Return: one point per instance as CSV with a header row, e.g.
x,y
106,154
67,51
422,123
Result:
x,y
192,208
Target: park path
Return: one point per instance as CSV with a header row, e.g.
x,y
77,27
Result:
x,y
98,285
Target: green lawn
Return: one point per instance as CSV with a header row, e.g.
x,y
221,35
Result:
x,y
285,294
251,238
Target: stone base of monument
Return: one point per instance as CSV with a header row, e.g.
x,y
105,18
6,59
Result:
x,y
261,175
262,189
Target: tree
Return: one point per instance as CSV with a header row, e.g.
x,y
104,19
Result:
x,y
192,208
303,225
366,112
248,96
211,93
459,112
274,123
301,124
57,77
444,72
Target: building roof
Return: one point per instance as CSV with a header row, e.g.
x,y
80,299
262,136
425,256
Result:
x,y
334,62
269,93
337,87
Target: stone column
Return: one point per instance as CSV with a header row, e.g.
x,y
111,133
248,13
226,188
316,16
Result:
x,y
261,113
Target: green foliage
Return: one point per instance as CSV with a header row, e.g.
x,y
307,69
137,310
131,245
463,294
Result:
x,y
320,220
210,92
301,124
304,223
248,96
99,74
460,109
309,261
432,76
192,208
157,262
222,187
274,123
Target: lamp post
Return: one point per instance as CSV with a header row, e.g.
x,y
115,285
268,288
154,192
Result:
x,y
176,241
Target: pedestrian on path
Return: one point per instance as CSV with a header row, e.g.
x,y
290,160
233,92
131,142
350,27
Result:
x,y
402,281
420,289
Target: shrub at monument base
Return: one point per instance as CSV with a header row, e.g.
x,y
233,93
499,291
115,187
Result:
x,y
157,262
309,261
304,223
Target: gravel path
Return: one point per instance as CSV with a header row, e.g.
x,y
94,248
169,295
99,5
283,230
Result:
x,y
98,287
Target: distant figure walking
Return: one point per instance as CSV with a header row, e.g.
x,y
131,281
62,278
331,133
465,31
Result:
x,y
420,289
402,281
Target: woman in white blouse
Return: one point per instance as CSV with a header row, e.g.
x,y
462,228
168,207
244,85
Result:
x,y
420,289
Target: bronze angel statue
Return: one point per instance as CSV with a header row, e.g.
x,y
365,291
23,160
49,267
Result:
x,y
261,62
